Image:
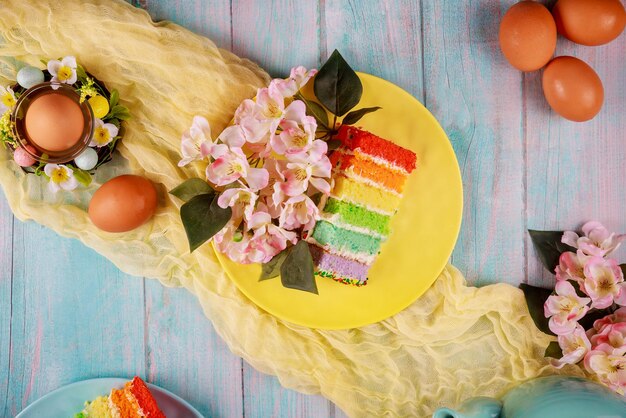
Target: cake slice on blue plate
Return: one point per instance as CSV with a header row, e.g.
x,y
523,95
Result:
x,y
369,174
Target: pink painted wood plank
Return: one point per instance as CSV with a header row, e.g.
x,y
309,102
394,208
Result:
x,y
477,98
577,171
186,356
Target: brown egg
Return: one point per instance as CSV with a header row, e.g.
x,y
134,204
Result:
x,y
590,22
572,88
123,204
528,36
54,122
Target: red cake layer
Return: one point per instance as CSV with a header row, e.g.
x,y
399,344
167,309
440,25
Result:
x,y
144,398
353,138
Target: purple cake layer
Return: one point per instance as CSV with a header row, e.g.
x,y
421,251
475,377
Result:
x,y
339,266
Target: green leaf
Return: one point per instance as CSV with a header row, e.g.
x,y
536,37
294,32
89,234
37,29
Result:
x,y
82,176
623,267
535,298
115,97
203,218
593,315
356,115
191,188
549,247
317,111
80,72
297,271
271,269
337,86
333,144
316,198
553,350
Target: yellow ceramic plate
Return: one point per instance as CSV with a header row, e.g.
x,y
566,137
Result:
x,y
424,230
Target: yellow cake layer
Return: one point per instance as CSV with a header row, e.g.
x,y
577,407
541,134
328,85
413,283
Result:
x,y
365,195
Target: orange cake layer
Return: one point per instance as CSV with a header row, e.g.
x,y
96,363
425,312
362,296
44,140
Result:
x,y
363,166
128,408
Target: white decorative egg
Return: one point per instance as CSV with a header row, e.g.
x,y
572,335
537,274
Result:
x,y
87,159
29,76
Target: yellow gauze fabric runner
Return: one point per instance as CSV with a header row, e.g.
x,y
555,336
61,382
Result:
x,y
453,343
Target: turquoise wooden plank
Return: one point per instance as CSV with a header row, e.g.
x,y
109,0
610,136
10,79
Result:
x,y
264,397
207,18
477,98
6,259
378,37
187,357
277,34
75,316
577,171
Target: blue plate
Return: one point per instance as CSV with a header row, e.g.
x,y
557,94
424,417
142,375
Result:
x,y
68,400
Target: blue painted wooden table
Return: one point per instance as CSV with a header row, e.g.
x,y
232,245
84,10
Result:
x,y
67,314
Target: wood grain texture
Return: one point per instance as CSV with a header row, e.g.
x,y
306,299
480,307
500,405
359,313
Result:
x,y
477,98
576,172
6,307
74,317
185,355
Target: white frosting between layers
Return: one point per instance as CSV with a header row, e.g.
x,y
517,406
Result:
x,y
359,179
377,160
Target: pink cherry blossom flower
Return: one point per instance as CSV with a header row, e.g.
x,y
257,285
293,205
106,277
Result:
x,y
242,201
612,334
574,345
196,143
299,211
603,282
232,166
295,138
268,239
617,316
596,239
571,266
233,136
298,77
565,308
609,364
313,167
233,242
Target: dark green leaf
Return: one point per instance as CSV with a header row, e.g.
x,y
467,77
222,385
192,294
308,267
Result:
x,y
316,198
115,97
337,86
535,298
593,315
297,271
333,144
271,269
549,247
318,112
191,188
623,267
82,177
356,115
203,218
553,350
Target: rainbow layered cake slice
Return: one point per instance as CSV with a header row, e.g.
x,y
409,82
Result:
x,y
134,400
369,173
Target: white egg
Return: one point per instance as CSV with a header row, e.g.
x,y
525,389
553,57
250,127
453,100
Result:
x,y
29,76
87,159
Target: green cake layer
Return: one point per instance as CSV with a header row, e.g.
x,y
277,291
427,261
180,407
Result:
x,y
342,240
357,215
